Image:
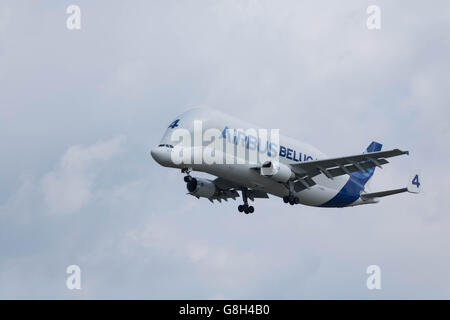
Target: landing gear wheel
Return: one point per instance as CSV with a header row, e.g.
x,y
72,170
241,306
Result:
x,y
245,207
187,179
291,198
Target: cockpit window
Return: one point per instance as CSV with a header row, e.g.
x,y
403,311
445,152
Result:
x,y
166,145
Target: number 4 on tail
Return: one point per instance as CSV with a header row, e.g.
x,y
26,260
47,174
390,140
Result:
x,y
415,181
414,184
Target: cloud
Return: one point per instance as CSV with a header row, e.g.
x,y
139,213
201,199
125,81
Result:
x,y
311,69
69,187
5,18
222,264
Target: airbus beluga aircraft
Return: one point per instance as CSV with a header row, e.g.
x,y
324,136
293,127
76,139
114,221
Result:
x,y
283,167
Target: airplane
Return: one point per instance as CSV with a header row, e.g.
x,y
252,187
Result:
x,y
292,170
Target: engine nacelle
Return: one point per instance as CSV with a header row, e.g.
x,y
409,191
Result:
x,y
201,187
277,171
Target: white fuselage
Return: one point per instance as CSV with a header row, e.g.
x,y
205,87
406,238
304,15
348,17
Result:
x,y
288,151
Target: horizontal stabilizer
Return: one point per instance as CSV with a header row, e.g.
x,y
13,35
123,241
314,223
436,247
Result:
x,y
413,187
367,196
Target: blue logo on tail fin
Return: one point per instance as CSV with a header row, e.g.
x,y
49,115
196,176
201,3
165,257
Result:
x,y
374,147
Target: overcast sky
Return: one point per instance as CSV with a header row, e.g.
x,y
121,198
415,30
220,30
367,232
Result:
x,y
80,110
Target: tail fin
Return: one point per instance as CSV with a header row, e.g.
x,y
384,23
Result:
x,y
373,147
363,177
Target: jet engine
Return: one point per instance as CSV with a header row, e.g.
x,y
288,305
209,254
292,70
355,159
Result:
x,y
201,187
277,171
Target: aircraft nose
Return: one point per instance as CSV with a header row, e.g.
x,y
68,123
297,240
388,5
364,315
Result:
x,y
161,155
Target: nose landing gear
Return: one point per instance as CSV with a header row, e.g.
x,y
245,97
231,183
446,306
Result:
x,y
187,178
245,207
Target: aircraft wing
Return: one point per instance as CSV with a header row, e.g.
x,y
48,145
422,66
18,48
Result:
x,y
225,195
252,194
228,189
366,196
345,165
225,184
339,166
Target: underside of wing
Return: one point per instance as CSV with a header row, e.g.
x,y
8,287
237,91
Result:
x,y
229,189
252,194
225,195
225,184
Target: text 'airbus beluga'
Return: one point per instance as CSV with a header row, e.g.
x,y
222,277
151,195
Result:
x,y
258,162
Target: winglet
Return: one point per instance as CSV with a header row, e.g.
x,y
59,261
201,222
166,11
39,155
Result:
x,y
415,182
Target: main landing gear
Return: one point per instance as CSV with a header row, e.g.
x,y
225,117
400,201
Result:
x,y
291,199
245,207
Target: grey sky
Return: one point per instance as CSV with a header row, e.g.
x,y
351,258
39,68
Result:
x,y
79,111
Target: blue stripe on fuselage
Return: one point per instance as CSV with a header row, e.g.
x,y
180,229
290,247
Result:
x,y
352,189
